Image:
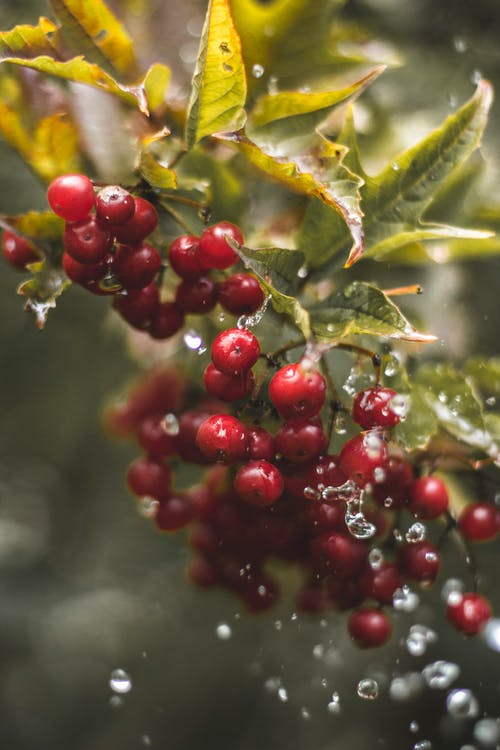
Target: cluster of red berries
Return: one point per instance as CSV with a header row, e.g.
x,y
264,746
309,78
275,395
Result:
x,y
274,492
17,251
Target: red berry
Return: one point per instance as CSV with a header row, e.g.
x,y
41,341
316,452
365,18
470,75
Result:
x,y
154,439
148,478
203,572
344,594
17,251
300,441
214,250
259,593
394,491
419,561
428,497
374,407
189,423
114,205
259,483
173,513
196,295
479,522
235,351
82,273
261,444
222,438
71,196
241,294
166,321
322,516
324,473
143,222
184,257
297,393
227,387
313,598
136,267
138,306
364,458
470,614
86,241
369,628
341,554
381,583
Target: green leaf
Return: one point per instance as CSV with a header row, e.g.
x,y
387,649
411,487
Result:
x,y
155,84
91,29
485,373
454,403
42,228
420,423
320,174
395,200
48,282
361,308
30,41
219,82
157,175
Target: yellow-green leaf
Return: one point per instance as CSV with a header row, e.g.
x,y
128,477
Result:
x,y
42,289
219,83
157,175
155,84
30,41
90,28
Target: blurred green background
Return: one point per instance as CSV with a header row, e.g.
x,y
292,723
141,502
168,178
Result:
x,y
86,586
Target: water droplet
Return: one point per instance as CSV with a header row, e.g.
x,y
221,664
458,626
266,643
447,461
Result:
x,y
395,166
249,321
491,634
170,424
368,689
405,600
221,318
146,740
460,44
416,533
272,684
339,424
487,732
193,340
311,494
418,638
374,444
462,704
405,688
379,475
120,681
305,713
258,70
283,694
453,588
148,507
116,701
334,704
278,625
440,674
423,745
375,558
414,726
399,404
318,651
223,631
356,522
302,272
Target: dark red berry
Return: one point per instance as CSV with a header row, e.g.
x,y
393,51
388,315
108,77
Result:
x,y
184,258
136,267
393,492
479,522
143,222
322,475
82,273
344,593
235,351
470,614
259,593
203,572
369,628
154,439
259,483
138,306
196,295
17,251
71,196
428,497
227,387
114,205
241,294
376,407
381,583
341,554
261,444
86,241
214,250
189,423
166,321
364,458
149,478
322,516
300,441
419,561
297,392
222,437
313,598
173,513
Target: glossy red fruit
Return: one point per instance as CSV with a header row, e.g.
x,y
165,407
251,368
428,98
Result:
x,y
138,306
227,387
470,614
393,493
86,241
214,250
154,439
203,572
313,598
428,497
381,583
71,196
173,513
223,438
143,222
189,424
261,444
341,554
149,478
364,458
184,257
82,273
297,393
321,516
114,205
419,561
322,475
259,483
377,407
300,442
241,294
136,267
369,628
196,295
479,522
235,351
17,251
166,321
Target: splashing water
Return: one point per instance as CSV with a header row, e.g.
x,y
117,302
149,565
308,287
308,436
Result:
x,y
418,639
194,341
368,689
375,558
334,704
440,674
416,533
257,70
462,704
405,600
249,321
